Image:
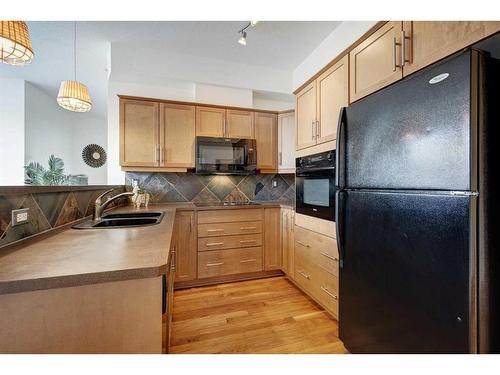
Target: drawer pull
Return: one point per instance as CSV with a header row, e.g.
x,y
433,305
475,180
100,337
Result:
x,y
330,257
248,228
248,260
215,230
215,244
214,264
329,293
303,244
248,241
305,275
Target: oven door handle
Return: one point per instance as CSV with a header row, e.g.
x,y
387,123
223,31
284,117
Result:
x,y
339,160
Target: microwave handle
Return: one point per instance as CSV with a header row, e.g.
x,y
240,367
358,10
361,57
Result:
x,y
339,160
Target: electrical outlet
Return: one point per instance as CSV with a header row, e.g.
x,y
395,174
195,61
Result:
x,y
275,183
19,216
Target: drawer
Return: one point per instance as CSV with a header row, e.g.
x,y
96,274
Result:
x,y
229,242
229,229
229,262
303,273
319,249
230,215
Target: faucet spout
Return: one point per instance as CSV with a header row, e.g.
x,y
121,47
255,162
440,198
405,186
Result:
x,y
100,207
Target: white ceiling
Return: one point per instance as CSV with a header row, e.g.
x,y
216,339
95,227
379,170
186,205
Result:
x,y
272,46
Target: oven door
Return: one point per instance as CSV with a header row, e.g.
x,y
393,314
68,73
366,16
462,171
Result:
x,y
315,194
225,155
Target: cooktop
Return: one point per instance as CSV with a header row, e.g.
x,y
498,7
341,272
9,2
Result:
x,y
218,204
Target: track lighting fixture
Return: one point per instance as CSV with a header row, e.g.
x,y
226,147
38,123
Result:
x,y
243,34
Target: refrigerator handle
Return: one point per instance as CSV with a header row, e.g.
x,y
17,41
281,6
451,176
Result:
x,y
339,160
339,225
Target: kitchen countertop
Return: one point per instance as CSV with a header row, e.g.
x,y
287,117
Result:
x,y
73,257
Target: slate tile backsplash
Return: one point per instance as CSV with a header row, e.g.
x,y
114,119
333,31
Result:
x,y
190,187
46,211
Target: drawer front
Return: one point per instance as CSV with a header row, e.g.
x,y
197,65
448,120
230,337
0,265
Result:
x,y
229,262
229,229
229,242
230,215
318,249
303,273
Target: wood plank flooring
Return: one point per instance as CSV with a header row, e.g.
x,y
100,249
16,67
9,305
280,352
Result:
x,y
258,316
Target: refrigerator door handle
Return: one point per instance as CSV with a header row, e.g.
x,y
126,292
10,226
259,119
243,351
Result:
x,y
339,225
339,160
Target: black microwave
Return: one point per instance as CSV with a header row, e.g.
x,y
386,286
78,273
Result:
x,y
225,156
315,185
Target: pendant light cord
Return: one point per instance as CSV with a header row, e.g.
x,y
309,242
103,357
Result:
x,y
74,48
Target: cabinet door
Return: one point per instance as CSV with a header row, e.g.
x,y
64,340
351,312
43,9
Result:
x,y
177,135
186,252
332,94
306,117
266,135
428,41
210,122
239,124
139,133
272,239
287,244
376,62
286,142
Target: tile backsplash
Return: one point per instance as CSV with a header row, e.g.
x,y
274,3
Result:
x,y
47,211
190,187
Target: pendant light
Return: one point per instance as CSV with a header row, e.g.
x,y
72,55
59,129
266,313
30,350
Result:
x,y
15,43
73,95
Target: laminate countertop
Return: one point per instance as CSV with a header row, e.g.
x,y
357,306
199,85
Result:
x,y
73,257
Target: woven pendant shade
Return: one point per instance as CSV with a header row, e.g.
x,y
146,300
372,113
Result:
x,y
74,96
15,43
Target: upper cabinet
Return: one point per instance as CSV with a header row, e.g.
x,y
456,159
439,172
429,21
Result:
x,y
286,142
318,107
266,136
375,62
139,133
427,41
239,124
177,135
210,121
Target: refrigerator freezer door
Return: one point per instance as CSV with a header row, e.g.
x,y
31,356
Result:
x,y
404,284
414,134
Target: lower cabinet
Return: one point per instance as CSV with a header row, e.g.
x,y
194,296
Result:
x,y
287,243
316,267
230,261
185,244
272,239
168,298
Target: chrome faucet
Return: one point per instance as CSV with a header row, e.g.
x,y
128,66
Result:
x,y
100,207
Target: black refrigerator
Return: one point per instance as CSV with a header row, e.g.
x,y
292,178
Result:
x,y
416,214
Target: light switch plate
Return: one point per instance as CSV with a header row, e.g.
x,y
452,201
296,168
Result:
x,y
20,216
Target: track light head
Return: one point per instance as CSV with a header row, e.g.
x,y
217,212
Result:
x,y
243,38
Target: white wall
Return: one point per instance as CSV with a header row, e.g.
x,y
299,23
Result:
x,y
223,95
12,131
51,129
340,38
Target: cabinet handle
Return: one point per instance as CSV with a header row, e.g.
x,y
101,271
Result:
x,y
318,129
394,55
215,244
248,260
248,241
329,257
313,130
248,228
225,127
404,60
214,264
303,244
162,156
281,158
215,230
329,293
305,275
157,155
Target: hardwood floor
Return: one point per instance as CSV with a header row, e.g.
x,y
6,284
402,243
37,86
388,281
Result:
x,y
258,316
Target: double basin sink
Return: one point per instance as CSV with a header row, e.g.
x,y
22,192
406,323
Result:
x,y
123,220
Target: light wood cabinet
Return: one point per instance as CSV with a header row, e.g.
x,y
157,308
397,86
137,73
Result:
x,y
306,117
185,245
266,136
375,63
139,133
286,142
272,238
210,121
177,135
169,300
239,124
332,94
428,41
229,262
287,241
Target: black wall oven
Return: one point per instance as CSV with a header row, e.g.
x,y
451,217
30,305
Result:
x,y
315,185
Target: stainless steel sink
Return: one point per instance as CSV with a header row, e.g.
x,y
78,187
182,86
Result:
x,y
123,220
